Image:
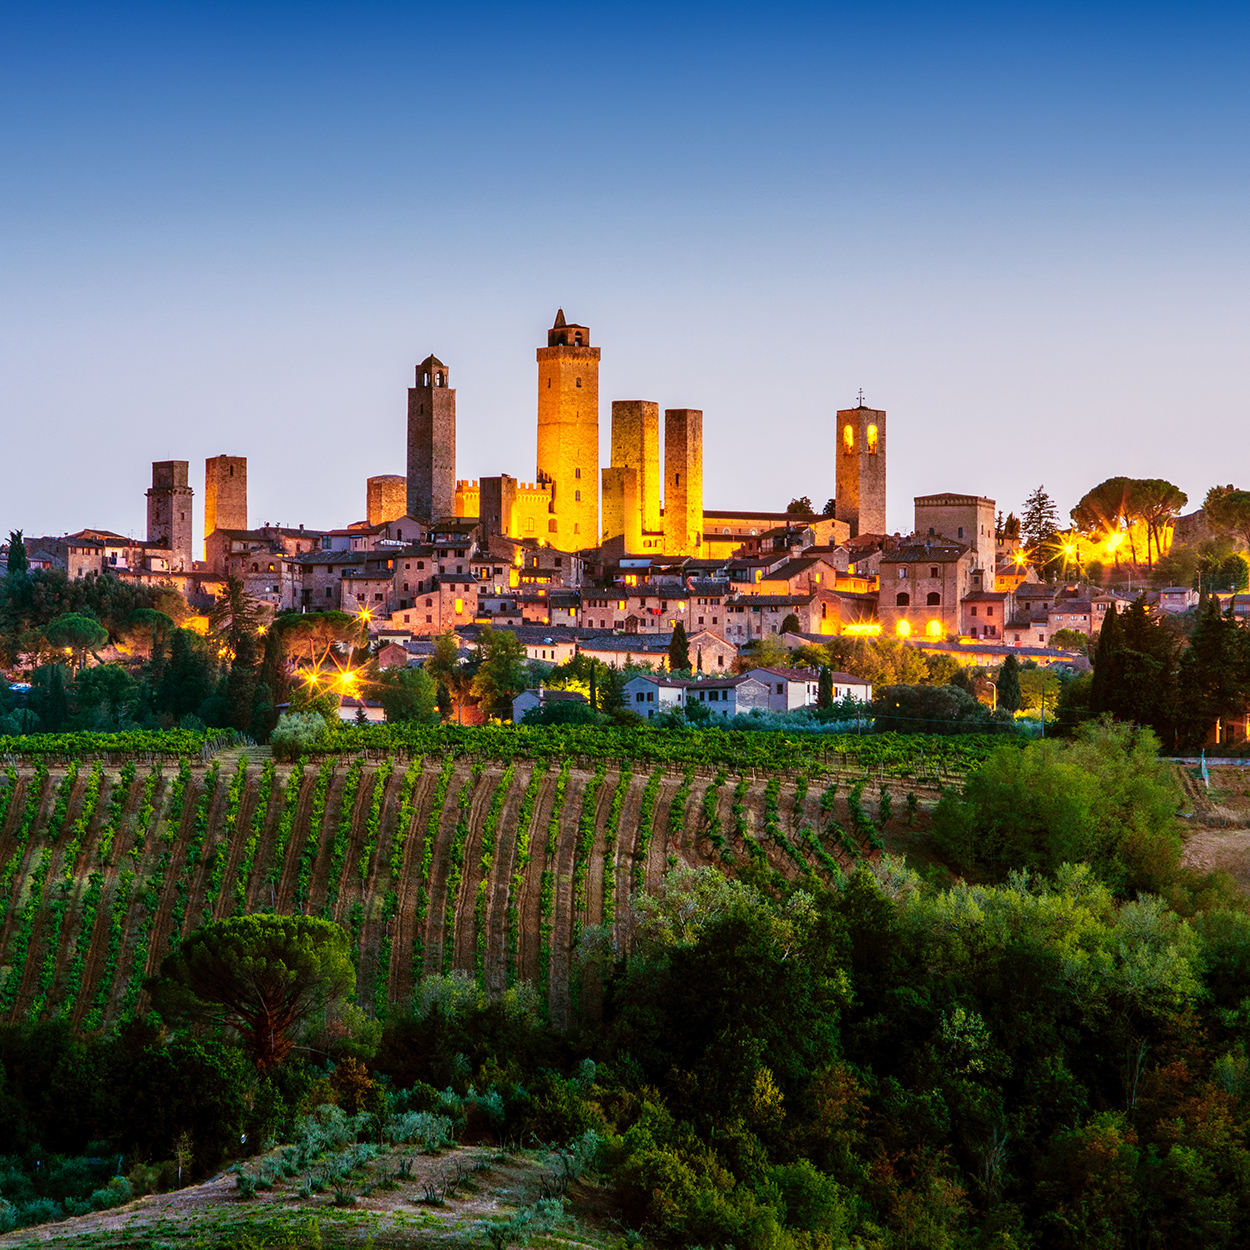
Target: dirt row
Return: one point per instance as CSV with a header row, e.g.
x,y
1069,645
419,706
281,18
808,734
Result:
x,y
159,882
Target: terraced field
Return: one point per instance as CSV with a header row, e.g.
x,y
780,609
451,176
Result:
x,y
436,864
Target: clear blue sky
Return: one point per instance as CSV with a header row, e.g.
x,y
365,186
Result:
x,y
1022,229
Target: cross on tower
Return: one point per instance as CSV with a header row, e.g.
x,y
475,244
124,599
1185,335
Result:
x,y
861,396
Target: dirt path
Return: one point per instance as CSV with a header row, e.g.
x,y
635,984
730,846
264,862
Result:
x,y
1220,850
506,839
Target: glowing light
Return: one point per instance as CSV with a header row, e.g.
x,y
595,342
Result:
x,y
872,438
848,437
864,629
934,629
1114,540
903,629
365,614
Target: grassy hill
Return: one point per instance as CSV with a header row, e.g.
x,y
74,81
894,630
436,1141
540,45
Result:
x,y
434,864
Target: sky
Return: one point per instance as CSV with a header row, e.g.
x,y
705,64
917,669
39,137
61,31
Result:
x,y
1020,229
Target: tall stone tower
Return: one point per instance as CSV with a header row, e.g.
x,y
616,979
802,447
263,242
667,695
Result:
x,y
432,443
636,445
225,493
683,481
169,511
860,453
386,498
568,434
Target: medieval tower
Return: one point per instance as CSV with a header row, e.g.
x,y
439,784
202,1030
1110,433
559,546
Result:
x,y
225,494
169,512
860,500
431,443
683,481
568,435
631,485
386,498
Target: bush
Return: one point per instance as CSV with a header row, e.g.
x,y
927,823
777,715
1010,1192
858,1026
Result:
x,y
296,733
1104,799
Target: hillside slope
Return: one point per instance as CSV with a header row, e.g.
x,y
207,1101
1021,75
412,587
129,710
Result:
x,y
439,865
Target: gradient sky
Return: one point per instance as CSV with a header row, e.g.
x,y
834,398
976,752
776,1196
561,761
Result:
x,y
236,228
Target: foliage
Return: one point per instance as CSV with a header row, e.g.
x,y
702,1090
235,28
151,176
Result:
x,y
1102,798
1008,685
261,976
407,694
935,710
1228,511
679,650
1039,521
298,732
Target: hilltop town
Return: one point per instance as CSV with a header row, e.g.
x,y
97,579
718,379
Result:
x,y
608,562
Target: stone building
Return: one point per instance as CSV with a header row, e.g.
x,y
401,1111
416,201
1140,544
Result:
x,y
431,443
386,498
683,481
860,456
967,519
225,494
169,512
568,434
923,582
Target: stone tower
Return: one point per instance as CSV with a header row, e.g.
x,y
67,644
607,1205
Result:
x,y
568,434
225,493
860,500
169,511
683,481
386,498
432,443
636,445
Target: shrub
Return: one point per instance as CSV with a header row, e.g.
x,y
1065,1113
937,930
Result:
x,y
296,733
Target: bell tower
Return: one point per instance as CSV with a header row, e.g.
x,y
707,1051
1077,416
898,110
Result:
x,y
432,443
860,452
568,435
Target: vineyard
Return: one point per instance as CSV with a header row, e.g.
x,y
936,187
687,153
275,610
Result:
x,y
489,862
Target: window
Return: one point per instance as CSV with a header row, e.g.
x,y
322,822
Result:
x,y
902,600
974,611
429,603
934,600
529,524
848,439
577,473
420,564
577,496
327,592
961,531
872,440
780,688
934,572
429,620
255,568
720,661
579,381
551,527
902,572
989,611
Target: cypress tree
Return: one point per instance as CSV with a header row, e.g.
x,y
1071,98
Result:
x,y
679,650
1009,684
241,684
824,691
1109,643
18,563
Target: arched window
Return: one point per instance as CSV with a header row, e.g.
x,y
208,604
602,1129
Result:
x,y
551,527
577,496
429,603
848,438
441,381
255,568
579,381
577,342
934,600
872,440
902,601
425,379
